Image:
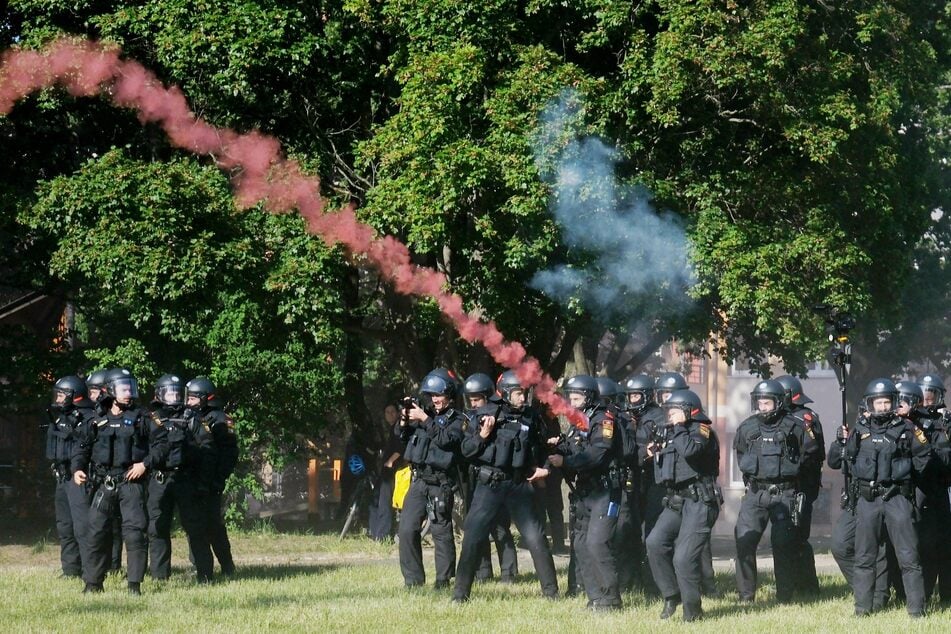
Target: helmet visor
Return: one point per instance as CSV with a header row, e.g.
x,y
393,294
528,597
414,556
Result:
x,y
764,403
170,395
125,389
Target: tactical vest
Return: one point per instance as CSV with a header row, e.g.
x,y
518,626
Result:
x,y
421,450
881,454
510,446
671,468
61,437
117,443
773,453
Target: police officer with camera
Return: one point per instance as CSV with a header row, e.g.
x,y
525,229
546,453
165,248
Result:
x,y
433,440
69,412
506,446
119,449
687,463
479,392
589,454
770,449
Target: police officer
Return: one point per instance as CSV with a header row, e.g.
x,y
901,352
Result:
x,y
70,412
628,544
478,391
843,533
168,405
119,449
589,455
770,448
96,386
885,452
213,432
810,480
649,422
505,444
687,464
433,441
935,486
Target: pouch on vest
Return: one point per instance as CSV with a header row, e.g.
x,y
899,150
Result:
x,y
504,447
102,448
770,457
417,447
176,451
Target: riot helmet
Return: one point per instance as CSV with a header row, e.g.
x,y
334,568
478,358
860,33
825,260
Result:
x,y
122,386
639,392
508,387
170,390
687,402
881,399
583,385
477,385
667,383
96,382
201,388
794,393
932,388
67,392
608,390
910,396
768,399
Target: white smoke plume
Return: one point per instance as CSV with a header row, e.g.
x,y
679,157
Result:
x,y
628,261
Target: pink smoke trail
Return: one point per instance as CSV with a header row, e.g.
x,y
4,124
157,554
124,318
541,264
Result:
x,y
261,174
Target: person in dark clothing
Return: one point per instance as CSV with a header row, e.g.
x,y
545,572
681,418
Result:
x,y
687,463
886,453
770,449
70,413
381,514
119,449
589,455
433,440
168,406
506,444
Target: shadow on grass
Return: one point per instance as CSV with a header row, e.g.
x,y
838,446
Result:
x,y
272,572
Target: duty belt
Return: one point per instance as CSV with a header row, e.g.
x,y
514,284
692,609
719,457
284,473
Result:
x,y
429,475
493,475
164,474
688,490
773,488
871,489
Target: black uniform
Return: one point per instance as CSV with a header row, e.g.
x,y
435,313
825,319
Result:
x,y
883,458
500,530
843,533
432,448
112,444
629,544
934,503
502,463
161,496
770,455
591,462
208,464
687,465
810,481
71,500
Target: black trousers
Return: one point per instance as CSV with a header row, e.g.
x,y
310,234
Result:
x,y
218,534
434,501
72,521
933,538
161,508
517,498
595,529
500,530
629,546
554,508
807,580
873,521
843,551
129,498
381,513
756,510
675,549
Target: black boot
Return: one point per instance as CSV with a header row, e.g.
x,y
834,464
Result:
x,y
135,588
92,588
670,606
692,613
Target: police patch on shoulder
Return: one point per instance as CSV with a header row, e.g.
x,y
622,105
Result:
x,y
865,435
705,430
607,427
158,421
465,423
811,433
920,435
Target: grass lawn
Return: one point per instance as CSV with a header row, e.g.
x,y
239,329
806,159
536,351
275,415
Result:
x,y
289,582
